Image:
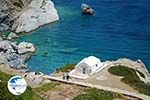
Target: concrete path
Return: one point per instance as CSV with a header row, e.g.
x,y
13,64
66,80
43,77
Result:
x,y
138,95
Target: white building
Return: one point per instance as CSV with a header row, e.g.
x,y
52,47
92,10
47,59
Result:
x,y
87,67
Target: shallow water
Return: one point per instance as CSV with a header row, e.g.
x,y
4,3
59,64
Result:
x,y
121,28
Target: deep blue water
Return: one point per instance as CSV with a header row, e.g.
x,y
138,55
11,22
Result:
x,y
121,28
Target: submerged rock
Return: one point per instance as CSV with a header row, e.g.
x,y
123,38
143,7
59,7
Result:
x,y
69,50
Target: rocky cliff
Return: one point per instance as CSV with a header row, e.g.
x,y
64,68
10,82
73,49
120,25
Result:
x,y
26,15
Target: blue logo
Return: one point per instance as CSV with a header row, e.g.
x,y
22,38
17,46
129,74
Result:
x,y
17,85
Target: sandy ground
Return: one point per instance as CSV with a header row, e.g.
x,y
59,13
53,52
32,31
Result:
x,y
63,92
4,68
104,78
68,91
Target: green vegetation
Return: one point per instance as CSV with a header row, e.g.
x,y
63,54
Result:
x,y
6,95
4,77
131,78
46,87
66,68
96,94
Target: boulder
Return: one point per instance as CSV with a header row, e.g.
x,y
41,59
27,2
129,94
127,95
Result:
x,y
25,47
12,36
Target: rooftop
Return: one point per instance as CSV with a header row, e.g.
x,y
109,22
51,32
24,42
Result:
x,y
91,60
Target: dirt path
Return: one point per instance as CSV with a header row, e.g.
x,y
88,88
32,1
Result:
x,y
116,90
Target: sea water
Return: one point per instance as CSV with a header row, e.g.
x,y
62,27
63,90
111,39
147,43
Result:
x,y
120,29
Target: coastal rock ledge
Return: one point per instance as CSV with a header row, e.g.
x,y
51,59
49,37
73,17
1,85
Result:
x,y
15,56
26,15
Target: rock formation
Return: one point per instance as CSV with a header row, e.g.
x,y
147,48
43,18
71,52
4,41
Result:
x,y
25,47
15,55
26,15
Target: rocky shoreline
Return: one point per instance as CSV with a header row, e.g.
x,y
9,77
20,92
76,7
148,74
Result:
x,y
15,55
13,58
21,16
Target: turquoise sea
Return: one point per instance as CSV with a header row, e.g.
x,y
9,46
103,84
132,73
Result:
x,y
120,29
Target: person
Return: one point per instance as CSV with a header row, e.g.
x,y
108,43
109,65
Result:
x,y
63,76
67,77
